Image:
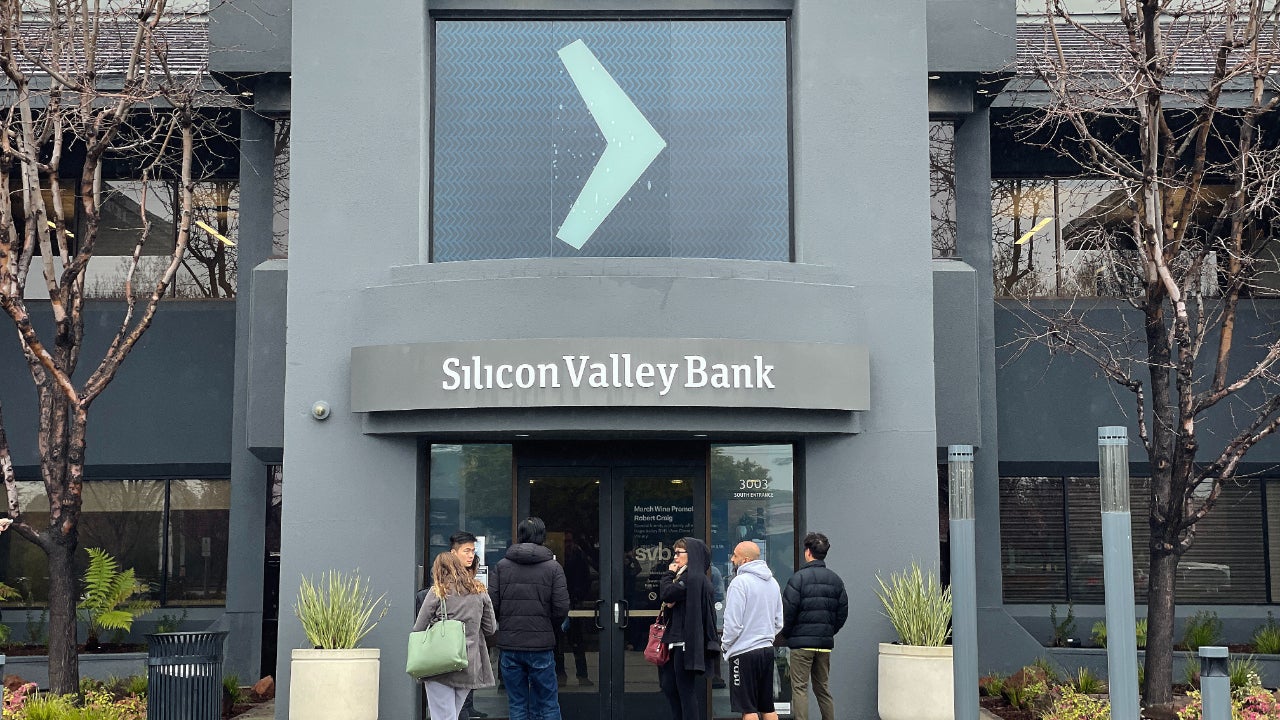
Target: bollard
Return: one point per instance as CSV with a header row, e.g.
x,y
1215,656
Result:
x,y
964,582
1117,572
1215,684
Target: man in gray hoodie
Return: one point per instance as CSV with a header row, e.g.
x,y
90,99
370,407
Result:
x,y
752,619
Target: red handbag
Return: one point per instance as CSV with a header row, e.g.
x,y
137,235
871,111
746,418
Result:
x,y
656,651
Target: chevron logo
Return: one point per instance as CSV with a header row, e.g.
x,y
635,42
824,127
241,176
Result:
x,y
631,144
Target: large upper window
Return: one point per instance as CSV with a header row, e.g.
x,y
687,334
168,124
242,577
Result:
x,y
610,138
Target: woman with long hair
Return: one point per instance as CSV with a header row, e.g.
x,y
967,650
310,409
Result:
x,y
464,598
691,632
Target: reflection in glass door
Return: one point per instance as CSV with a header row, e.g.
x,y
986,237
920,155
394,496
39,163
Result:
x,y
612,529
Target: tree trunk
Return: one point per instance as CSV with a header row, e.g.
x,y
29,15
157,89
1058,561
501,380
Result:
x,y
1160,620
64,665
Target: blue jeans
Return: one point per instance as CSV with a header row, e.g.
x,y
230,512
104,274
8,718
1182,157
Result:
x,y
532,691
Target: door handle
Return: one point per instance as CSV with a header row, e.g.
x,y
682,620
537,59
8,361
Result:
x,y
597,617
617,613
626,614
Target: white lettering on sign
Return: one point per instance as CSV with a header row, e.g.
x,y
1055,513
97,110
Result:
x,y
619,370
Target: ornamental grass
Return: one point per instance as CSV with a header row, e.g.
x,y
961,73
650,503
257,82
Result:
x,y
918,606
337,612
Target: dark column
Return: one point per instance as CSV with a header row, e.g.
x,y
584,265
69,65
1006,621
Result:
x,y
249,482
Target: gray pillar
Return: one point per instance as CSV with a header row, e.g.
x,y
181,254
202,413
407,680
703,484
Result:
x,y
1215,683
249,484
1117,567
964,587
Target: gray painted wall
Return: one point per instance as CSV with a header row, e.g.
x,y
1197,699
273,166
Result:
x,y
956,354
250,36
861,212
1051,408
970,36
169,405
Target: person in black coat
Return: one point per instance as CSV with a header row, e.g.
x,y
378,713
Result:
x,y
814,608
531,599
691,632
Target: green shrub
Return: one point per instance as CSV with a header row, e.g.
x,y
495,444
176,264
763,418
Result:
x,y
918,606
1202,629
1046,668
171,623
1191,672
338,612
1087,683
136,685
231,689
1067,704
991,685
109,601
1099,633
1266,639
1244,672
46,706
1025,687
1064,629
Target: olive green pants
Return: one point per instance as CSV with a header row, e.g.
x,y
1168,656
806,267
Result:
x,y
811,668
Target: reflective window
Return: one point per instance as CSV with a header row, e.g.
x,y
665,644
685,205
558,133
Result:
x,y
470,490
638,138
753,498
1051,543
172,533
942,187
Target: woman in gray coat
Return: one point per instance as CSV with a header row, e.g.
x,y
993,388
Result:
x,y
465,599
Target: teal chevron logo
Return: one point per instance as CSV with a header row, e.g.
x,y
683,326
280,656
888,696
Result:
x,y
631,144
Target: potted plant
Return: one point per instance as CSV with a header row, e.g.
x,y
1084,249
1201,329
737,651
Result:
x,y
336,679
915,674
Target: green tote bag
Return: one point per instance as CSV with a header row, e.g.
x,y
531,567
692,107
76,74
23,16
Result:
x,y
439,649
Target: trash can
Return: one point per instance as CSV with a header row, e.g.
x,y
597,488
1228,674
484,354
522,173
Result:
x,y
184,675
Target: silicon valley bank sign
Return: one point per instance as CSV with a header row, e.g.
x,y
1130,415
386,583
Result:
x,y
601,372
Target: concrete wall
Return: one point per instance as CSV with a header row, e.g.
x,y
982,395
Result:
x,y
970,36
169,409
250,37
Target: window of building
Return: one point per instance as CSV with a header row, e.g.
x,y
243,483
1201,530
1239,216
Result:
x,y
208,268
693,160
942,187
172,533
753,498
470,490
1051,543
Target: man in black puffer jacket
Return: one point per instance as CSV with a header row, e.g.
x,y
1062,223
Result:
x,y
814,608
530,598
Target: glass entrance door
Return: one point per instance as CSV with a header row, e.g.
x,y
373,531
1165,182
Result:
x,y
612,528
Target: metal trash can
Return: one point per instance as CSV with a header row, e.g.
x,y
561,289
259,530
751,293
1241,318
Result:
x,y
184,675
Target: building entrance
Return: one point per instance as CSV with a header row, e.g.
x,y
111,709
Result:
x,y
612,515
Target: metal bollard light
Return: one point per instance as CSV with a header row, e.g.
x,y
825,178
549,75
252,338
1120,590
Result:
x,y
964,582
184,675
1215,684
1117,572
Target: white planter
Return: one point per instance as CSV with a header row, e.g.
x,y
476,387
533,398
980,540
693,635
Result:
x,y
915,683
334,684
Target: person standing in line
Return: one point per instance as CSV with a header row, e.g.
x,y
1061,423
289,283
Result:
x,y
457,595
463,545
691,635
531,599
814,608
752,619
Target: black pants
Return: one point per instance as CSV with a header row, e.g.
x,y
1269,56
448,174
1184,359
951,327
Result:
x,y
686,691
467,707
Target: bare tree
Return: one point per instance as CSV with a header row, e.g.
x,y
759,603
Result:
x,y
1174,105
85,83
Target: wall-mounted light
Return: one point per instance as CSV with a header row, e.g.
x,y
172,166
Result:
x,y
935,77
677,481
320,410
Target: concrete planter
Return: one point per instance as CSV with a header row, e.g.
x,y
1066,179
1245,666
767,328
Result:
x,y
334,684
99,666
915,683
